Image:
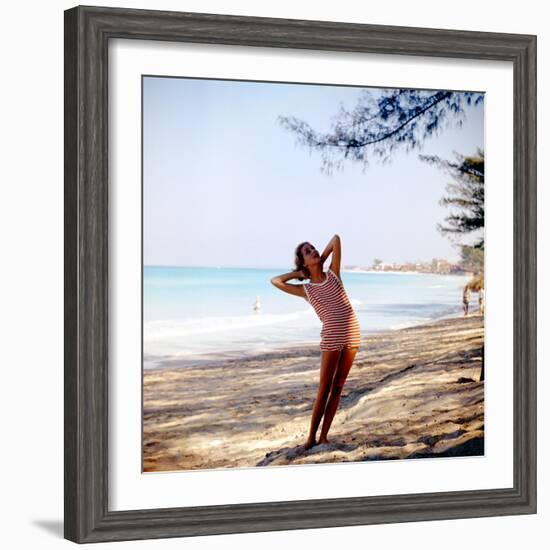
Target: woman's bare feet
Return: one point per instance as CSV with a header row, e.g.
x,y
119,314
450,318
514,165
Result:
x,y
309,443
323,441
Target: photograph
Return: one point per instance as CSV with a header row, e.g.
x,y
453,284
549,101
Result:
x,y
313,284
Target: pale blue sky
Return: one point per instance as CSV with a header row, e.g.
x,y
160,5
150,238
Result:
x,y
224,184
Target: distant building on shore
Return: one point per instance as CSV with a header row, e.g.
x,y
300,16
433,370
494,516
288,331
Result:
x,y
437,266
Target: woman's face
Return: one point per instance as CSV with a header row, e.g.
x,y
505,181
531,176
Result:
x,y
310,254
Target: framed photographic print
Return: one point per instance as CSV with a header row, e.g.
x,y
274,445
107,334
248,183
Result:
x,y
292,297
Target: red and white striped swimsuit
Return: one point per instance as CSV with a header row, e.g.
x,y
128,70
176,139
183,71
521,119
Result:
x,y
332,305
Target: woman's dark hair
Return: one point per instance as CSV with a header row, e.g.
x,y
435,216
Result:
x,y
299,261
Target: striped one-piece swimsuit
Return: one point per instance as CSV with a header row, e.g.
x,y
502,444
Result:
x,y
332,305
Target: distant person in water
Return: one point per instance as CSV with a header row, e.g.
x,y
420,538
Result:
x,y
340,335
257,305
466,300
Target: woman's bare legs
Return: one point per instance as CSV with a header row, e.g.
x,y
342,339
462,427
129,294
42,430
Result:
x,y
342,370
329,363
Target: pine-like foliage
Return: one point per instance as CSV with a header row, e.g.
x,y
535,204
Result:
x,y
465,194
381,123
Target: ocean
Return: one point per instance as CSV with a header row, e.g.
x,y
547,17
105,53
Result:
x,y
193,314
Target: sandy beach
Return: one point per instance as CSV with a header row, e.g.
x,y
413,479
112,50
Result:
x,y
411,393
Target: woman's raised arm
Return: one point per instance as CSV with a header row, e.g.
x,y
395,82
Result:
x,y
334,246
280,282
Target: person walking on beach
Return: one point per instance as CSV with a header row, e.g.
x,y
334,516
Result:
x,y
481,299
340,333
466,299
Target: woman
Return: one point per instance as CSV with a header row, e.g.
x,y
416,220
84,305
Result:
x,y
340,334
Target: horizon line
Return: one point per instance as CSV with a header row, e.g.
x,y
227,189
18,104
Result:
x,y
290,267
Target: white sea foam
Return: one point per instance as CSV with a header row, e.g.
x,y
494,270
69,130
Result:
x,y
410,324
167,329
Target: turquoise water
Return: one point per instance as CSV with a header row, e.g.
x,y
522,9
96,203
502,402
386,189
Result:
x,y
191,313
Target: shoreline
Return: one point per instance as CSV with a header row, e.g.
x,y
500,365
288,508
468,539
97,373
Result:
x,y
411,393
205,358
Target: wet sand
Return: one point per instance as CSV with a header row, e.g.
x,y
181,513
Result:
x,y
411,393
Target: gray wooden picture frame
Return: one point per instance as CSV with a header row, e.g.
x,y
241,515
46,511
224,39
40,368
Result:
x,y
86,477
